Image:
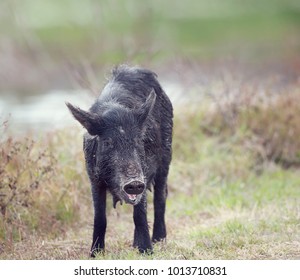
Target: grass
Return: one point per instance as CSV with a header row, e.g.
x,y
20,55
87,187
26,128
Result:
x,y
225,200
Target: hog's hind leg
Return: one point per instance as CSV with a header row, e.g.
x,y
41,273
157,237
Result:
x,y
160,196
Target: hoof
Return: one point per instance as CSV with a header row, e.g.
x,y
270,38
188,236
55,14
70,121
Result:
x,y
95,252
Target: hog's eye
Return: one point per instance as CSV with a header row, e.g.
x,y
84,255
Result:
x,y
107,144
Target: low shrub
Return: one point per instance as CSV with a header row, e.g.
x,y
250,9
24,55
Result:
x,y
267,124
39,189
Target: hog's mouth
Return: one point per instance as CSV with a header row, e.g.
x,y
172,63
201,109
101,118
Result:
x,y
132,199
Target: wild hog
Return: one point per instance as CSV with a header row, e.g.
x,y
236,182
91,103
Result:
x,y
127,149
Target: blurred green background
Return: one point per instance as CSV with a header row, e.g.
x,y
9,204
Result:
x,y
48,49
40,39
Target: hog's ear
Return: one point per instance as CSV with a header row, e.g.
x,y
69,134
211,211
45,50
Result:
x,y
88,120
146,109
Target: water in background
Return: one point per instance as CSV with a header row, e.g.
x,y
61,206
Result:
x,y
40,112
48,111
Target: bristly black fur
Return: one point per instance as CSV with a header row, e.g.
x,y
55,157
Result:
x,y
127,149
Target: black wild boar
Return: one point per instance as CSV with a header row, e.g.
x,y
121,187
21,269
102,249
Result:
x,y
127,149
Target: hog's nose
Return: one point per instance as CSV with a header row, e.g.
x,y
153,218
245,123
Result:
x,y
134,187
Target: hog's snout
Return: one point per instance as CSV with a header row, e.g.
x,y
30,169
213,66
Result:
x,y
134,187
132,181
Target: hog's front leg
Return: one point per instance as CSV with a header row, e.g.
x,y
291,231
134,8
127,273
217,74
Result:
x,y
141,232
99,199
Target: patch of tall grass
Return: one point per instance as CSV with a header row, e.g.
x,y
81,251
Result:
x,y
267,124
42,186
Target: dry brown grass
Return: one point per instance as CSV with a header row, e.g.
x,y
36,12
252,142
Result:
x,y
40,191
267,123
